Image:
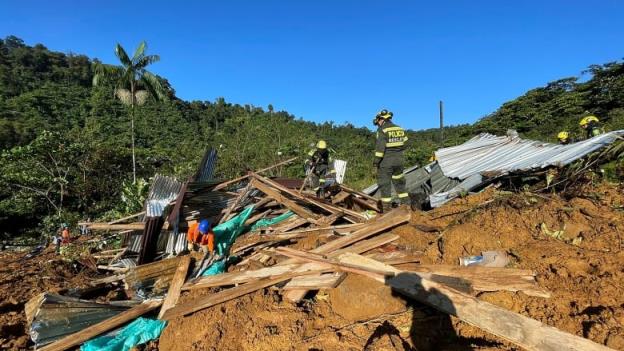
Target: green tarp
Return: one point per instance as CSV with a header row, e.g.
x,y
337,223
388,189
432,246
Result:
x,y
136,333
265,222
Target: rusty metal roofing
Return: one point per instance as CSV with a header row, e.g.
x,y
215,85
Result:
x,y
501,155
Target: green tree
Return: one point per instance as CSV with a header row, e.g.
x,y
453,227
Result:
x,y
133,83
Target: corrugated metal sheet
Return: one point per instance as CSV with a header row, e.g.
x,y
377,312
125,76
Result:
x,y
163,190
462,168
149,239
59,316
133,241
340,167
505,154
176,243
207,166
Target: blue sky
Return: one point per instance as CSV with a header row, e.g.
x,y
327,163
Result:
x,y
340,60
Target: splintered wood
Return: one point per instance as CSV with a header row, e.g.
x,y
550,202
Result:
x,y
344,240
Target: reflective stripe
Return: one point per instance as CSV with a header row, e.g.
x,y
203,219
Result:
x,y
391,129
402,195
386,199
315,189
398,143
332,171
397,176
379,154
321,180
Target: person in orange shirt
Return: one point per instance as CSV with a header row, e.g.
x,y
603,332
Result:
x,y
65,234
200,234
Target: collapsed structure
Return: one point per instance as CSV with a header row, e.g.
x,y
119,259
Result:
x,y
258,220
487,158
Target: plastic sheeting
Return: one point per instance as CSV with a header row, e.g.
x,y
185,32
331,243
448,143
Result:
x,y
265,222
140,331
226,233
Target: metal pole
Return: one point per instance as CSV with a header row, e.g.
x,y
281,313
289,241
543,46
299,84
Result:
x,y
441,123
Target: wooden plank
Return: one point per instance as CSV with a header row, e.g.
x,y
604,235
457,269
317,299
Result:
x,y
490,278
88,333
523,331
229,210
119,255
232,278
316,282
327,207
340,197
346,267
359,193
236,180
127,218
390,220
293,206
298,222
176,285
223,296
124,226
379,224
329,220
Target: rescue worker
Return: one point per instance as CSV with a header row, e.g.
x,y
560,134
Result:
x,y
65,236
318,169
592,126
389,159
200,235
564,138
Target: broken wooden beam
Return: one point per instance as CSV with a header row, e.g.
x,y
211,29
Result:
x,y
176,285
236,180
124,226
223,296
292,205
523,331
375,226
315,282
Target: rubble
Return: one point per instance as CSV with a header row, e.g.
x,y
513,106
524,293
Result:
x,y
272,235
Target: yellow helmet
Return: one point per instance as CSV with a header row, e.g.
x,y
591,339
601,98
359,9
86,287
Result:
x,y
563,136
384,114
321,145
585,121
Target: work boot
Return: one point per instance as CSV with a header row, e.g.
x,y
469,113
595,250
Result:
x,y
386,207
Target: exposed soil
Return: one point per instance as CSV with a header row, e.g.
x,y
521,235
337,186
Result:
x,y
586,282
20,280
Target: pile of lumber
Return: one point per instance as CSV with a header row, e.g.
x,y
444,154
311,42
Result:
x,y
350,237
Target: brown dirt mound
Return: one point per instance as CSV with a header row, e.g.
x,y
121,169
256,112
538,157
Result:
x,y
586,282
20,280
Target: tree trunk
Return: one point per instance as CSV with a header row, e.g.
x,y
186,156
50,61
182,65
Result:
x,y
132,92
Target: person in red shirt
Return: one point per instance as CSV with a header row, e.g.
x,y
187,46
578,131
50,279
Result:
x,y
200,234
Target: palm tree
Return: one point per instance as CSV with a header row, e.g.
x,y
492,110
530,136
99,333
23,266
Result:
x,y
133,83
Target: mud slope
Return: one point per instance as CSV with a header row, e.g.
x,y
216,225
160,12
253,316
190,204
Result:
x,y
586,281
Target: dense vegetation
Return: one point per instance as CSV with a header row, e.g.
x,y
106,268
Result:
x,y
65,144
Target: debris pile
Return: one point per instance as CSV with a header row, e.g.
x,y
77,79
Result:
x,y
270,234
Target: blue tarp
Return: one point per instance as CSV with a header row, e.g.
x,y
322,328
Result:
x,y
136,333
